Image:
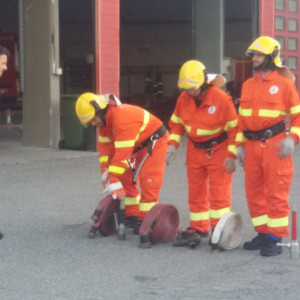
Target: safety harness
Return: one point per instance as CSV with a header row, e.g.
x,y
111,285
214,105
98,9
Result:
x,y
149,143
265,133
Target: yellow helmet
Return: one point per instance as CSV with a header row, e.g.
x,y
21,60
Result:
x,y
268,46
191,75
87,105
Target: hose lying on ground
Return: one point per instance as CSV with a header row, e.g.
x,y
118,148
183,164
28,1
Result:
x,y
161,223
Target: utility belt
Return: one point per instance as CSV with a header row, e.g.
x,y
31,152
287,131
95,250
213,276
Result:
x,y
265,133
208,145
160,132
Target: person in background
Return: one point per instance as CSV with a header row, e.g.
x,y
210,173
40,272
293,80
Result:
x,y
4,54
233,88
264,147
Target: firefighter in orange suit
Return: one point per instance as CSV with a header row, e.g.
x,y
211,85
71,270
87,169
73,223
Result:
x,y
128,136
207,115
265,147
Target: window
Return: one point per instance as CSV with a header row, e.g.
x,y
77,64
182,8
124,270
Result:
x,y
293,6
293,25
280,4
282,58
293,63
292,44
279,23
281,41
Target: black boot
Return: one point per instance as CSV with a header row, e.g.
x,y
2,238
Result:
x,y
270,247
190,238
145,242
136,227
212,232
131,221
257,242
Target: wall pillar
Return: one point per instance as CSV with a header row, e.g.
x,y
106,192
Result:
x,y
41,100
208,19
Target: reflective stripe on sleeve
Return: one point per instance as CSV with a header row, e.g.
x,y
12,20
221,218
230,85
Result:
x,y
115,186
295,109
176,119
124,144
115,169
104,139
230,124
175,137
187,128
103,158
295,130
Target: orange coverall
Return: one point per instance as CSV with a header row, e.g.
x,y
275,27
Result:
x,y
127,126
209,185
267,176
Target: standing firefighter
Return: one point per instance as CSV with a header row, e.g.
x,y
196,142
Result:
x,y
127,135
264,147
208,116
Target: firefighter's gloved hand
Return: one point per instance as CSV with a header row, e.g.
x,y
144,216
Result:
x,y
104,177
170,153
241,155
286,147
116,190
229,165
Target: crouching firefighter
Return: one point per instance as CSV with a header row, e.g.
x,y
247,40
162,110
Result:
x,y
132,148
207,115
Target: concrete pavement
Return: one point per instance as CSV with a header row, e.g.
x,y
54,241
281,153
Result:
x,y
46,199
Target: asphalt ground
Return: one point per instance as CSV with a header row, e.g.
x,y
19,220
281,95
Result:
x,y
46,199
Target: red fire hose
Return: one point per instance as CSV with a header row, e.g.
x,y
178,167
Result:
x,y
104,217
160,224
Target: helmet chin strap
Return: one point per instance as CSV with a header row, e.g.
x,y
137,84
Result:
x,y
199,99
102,115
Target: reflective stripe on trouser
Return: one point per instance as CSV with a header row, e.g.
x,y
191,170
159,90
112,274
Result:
x,y
209,186
151,175
132,198
267,183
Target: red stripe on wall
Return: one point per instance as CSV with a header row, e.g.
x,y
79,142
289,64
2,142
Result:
x,y
266,17
107,43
